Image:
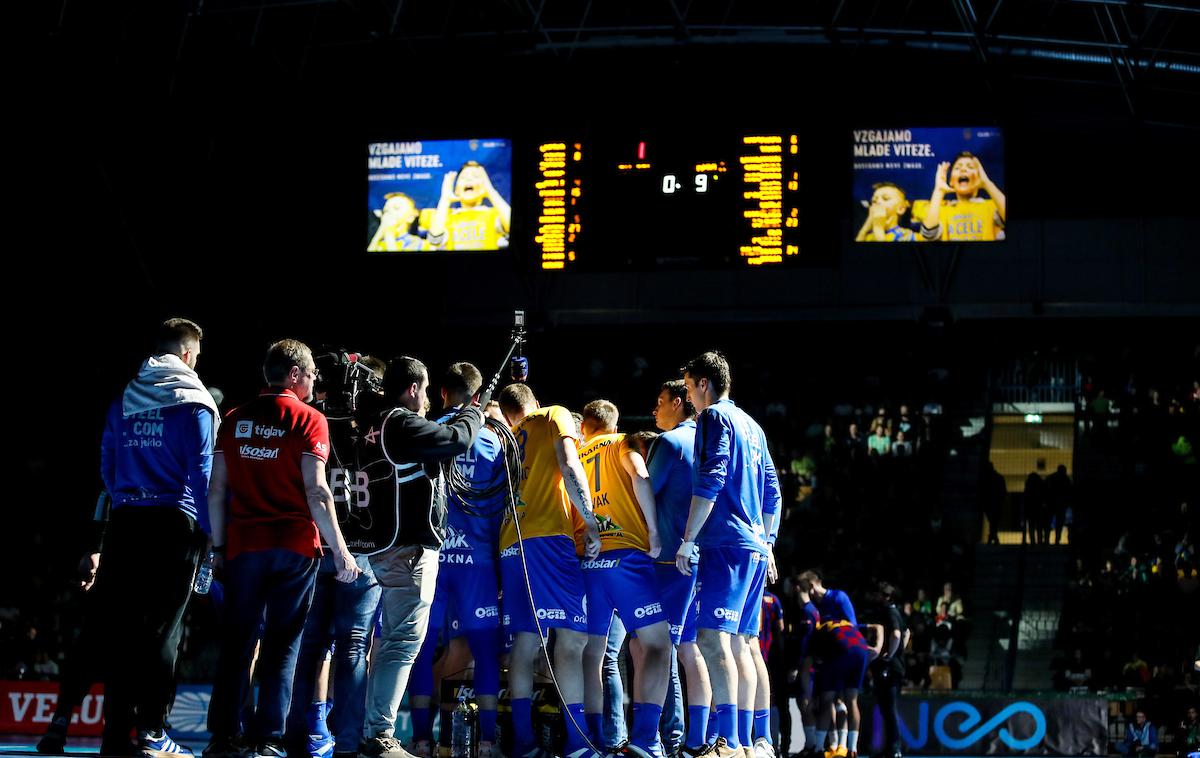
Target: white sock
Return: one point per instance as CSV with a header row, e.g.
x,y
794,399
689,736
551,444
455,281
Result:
x,y
852,740
819,736
810,738
841,738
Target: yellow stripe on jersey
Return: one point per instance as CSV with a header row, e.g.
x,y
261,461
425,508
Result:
x,y
622,524
542,503
473,228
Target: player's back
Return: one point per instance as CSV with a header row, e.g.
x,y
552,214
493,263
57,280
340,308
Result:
x,y
622,524
542,503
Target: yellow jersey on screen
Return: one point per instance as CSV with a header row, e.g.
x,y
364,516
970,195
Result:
x,y
542,503
475,228
622,524
974,220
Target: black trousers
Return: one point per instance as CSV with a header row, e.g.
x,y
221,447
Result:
x,y
887,691
147,570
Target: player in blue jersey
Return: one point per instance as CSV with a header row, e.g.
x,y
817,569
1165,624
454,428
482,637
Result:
x,y
735,502
670,469
804,629
465,602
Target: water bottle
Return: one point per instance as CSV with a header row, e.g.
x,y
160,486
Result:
x,y
462,729
204,575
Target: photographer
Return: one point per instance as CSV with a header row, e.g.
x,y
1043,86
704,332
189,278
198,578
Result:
x,y
393,428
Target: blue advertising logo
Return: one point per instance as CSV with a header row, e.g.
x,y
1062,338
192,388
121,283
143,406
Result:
x,y
973,717
969,727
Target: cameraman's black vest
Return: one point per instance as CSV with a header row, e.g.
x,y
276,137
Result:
x,y
365,490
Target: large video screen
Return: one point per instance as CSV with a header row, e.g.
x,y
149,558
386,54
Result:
x,y
439,196
929,185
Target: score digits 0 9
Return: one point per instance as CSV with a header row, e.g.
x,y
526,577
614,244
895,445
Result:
x,y
671,185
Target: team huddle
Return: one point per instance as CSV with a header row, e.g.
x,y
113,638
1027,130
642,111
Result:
x,y
494,532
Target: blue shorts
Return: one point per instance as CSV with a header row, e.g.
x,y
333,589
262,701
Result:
x,y
467,595
844,672
678,593
730,594
621,581
556,582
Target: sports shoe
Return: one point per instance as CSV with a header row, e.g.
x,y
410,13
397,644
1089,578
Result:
x,y
487,750
763,748
55,739
841,752
421,748
320,746
721,749
383,747
226,747
270,749
585,752
160,745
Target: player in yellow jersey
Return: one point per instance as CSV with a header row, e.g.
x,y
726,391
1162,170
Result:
x,y
469,224
622,579
956,211
553,486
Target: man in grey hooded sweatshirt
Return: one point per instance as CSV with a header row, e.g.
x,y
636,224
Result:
x,y
155,460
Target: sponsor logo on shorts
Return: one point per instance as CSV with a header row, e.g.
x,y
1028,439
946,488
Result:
x,y
243,430
457,558
456,539
454,624
647,610
552,614
676,630
507,620
259,453
599,563
580,619
757,557
728,614
487,612
510,552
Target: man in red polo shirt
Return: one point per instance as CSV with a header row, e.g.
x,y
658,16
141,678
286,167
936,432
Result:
x,y
270,505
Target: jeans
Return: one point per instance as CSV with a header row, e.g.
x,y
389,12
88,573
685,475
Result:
x,y
281,583
342,615
670,726
146,575
614,693
407,579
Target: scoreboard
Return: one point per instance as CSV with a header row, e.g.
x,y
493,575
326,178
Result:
x,y
642,200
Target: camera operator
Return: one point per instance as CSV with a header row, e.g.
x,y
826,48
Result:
x,y
394,428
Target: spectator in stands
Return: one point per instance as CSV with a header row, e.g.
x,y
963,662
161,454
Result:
x,y
1135,672
855,444
1077,672
992,493
1100,408
1137,573
904,422
1141,738
1187,736
829,441
954,603
901,448
1058,500
879,443
923,604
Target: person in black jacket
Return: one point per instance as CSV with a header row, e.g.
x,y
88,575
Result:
x,y
888,669
396,430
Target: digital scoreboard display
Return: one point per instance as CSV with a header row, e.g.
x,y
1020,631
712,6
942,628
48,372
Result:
x,y
647,201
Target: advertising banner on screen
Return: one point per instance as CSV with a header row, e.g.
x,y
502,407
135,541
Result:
x,y
993,726
929,185
439,195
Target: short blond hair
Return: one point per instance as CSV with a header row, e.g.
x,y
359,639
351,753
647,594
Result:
x,y
282,356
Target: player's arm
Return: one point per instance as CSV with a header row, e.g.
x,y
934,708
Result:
x,y
877,635
993,191
218,489
576,483
847,608
708,478
504,216
932,220
635,467
437,225
772,513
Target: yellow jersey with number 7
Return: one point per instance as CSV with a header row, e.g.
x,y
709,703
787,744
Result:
x,y
542,504
622,524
